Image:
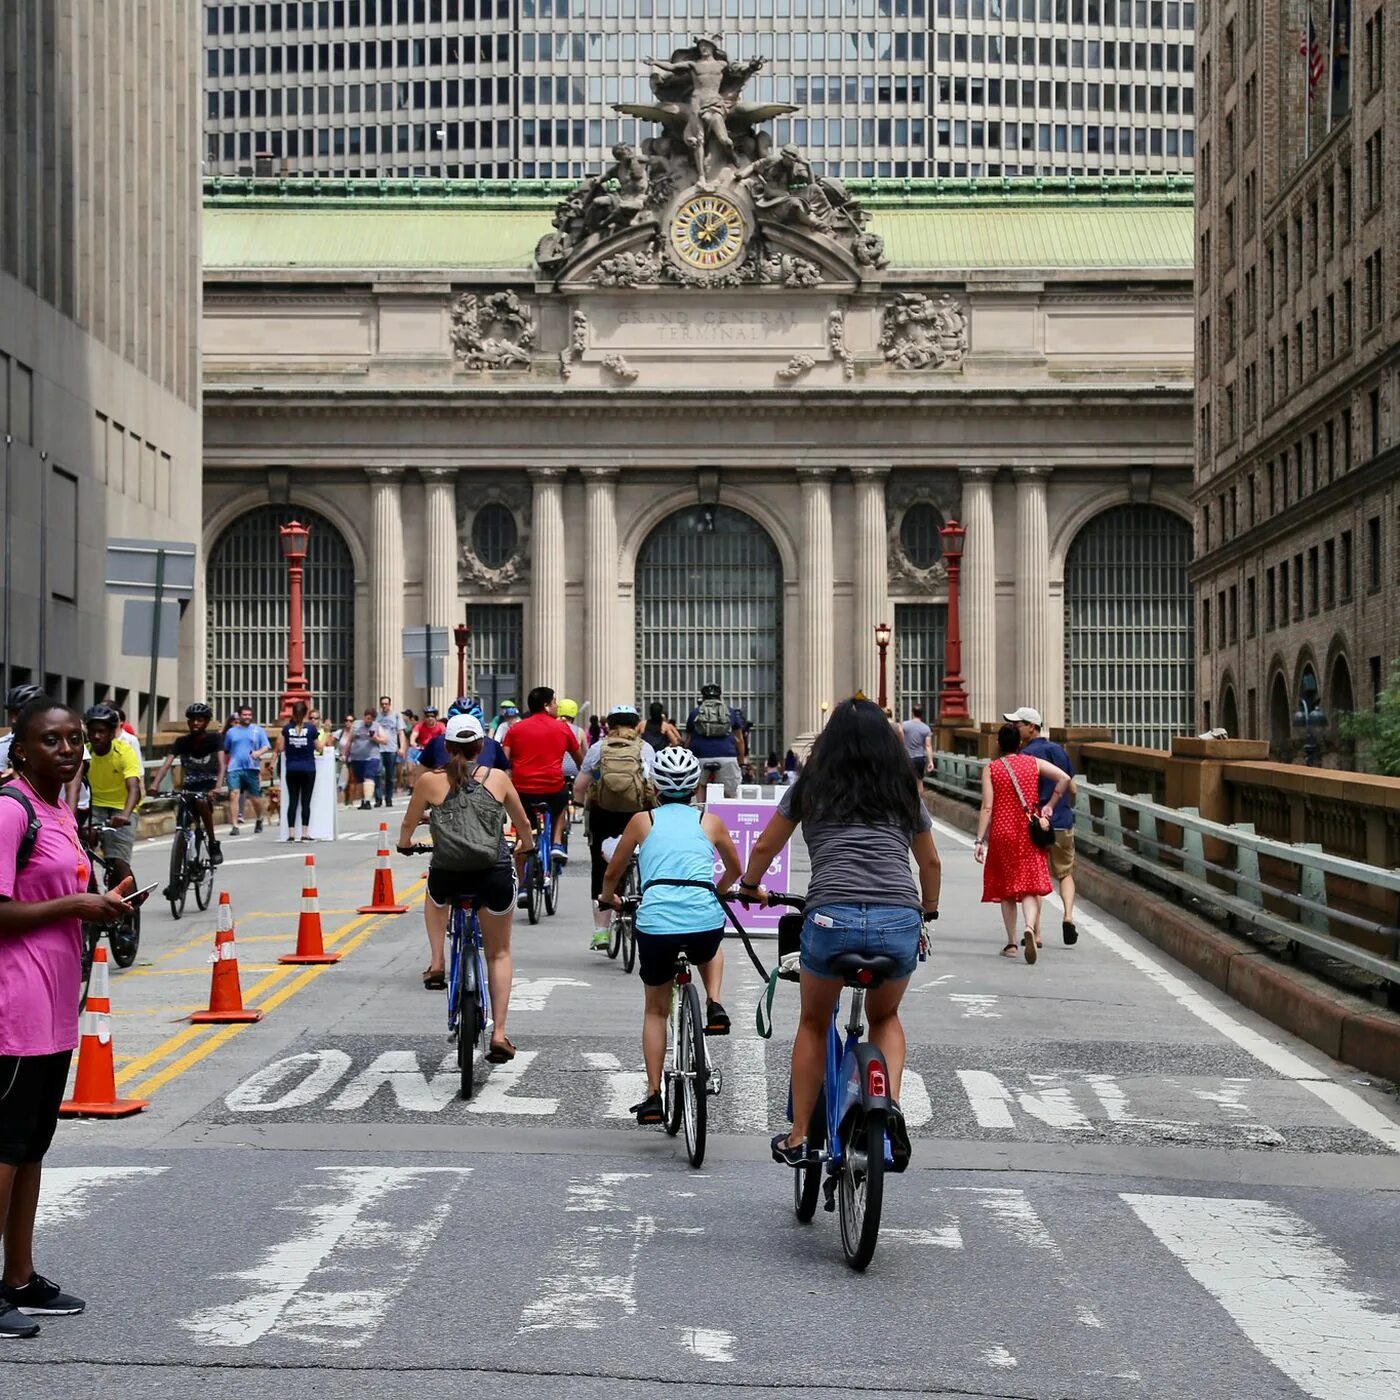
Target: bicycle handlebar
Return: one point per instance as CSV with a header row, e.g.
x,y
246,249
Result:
x,y
417,849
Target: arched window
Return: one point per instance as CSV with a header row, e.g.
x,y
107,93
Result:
x,y
1280,718
918,535
494,536
1130,643
246,604
1230,713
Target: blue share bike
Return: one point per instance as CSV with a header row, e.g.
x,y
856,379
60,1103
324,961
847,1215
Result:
x,y
855,1120
468,995
541,872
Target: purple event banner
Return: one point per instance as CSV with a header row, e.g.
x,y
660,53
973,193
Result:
x,y
745,821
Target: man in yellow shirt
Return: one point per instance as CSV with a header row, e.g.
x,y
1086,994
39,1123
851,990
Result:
x,y
114,776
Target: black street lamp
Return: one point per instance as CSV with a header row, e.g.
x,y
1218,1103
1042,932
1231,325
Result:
x,y
1311,718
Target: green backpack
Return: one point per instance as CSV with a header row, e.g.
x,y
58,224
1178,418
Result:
x,y
467,829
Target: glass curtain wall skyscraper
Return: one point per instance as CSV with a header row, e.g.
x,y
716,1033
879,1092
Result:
x,y
523,89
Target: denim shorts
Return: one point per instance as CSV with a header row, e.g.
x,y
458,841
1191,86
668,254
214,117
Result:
x,y
248,779
890,929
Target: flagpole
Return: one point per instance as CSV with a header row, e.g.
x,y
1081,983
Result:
x,y
1331,57
1307,78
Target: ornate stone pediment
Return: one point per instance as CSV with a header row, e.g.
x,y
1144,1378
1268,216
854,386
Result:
x,y
706,202
917,332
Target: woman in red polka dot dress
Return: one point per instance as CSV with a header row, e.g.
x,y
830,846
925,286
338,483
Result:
x,y
1013,868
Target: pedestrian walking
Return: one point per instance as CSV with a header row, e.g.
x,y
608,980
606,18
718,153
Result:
x,y
364,750
43,903
918,741
246,744
1014,872
344,779
1060,857
393,745
299,743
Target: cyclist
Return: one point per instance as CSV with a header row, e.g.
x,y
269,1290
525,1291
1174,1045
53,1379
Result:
x,y
676,849
465,781
508,715
660,733
614,780
568,716
861,814
114,776
15,701
536,747
203,763
716,735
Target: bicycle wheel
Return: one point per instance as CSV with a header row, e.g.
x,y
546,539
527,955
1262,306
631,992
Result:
x,y
807,1181
694,1077
615,936
177,889
671,1096
629,942
534,888
467,1019
551,887
203,874
124,939
861,1189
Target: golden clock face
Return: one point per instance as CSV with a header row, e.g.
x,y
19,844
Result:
x,y
707,232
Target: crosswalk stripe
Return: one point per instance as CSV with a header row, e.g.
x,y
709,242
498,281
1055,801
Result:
x,y
1285,1288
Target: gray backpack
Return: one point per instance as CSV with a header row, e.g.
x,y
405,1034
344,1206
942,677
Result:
x,y
467,829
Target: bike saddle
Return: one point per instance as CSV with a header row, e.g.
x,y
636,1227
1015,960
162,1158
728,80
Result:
x,y
858,970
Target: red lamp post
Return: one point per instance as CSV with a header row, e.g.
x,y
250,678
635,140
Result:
x,y
462,635
882,643
952,699
294,538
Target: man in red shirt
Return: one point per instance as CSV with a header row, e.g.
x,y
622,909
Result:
x,y
536,746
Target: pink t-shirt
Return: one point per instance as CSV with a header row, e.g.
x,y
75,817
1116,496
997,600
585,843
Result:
x,y
41,971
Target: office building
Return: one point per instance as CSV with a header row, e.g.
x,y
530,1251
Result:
x,y
1298,348
897,89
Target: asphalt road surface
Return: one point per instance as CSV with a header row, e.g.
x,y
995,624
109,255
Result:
x,y
1123,1184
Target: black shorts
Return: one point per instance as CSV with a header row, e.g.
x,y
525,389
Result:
x,y
656,953
495,888
556,802
31,1089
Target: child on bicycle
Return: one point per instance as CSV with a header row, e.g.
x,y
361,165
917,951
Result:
x,y
203,763
676,849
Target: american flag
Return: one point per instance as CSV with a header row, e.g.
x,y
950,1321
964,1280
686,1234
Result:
x,y
1311,49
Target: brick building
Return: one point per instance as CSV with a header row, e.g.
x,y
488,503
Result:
x,y
1298,362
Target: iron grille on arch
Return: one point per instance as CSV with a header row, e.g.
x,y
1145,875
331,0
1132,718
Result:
x,y
246,606
920,641
1130,638
709,608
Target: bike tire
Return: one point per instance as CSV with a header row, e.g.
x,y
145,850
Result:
x,y
467,1015
204,873
629,943
671,1084
615,935
860,1193
177,889
125,948
551,888
695,1096
534,889
807,1181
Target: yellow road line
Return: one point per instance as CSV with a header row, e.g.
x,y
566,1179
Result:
x,y
193,971
253,996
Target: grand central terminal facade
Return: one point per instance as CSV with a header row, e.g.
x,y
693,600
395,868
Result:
x,y
700,419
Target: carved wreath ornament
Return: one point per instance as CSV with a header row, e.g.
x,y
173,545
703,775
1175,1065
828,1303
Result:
x,y
494,331
920,333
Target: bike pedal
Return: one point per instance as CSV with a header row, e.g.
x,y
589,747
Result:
x,y
829,1193
716,1084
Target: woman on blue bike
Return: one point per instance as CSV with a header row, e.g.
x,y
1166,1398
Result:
x,y
861,813
464,779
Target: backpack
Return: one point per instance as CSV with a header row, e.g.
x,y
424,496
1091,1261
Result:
x,y
467,829
712,720
31,831
621,785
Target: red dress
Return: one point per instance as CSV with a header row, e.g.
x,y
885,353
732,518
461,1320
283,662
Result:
x,y
1013,867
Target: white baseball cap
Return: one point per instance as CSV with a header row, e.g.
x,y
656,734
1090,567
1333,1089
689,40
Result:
x,y
463,729
1025,715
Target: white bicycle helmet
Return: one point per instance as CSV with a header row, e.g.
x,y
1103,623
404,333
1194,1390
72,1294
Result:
x,y
676,772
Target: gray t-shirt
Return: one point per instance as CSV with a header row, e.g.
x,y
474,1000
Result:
x,y
916,734
858,864
392,725
362,742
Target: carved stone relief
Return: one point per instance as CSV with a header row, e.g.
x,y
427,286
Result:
x,y
903,494
836,342
492,330
617,365
578,343
473,573
796,368
919,333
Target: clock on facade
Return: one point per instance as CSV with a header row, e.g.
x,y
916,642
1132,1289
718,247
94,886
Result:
x,y
707,232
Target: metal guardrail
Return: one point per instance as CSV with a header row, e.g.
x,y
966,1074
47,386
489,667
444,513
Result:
x,y
1242,893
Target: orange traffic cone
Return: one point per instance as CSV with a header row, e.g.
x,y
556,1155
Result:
x,y
95,1091
225,991
310,949
381,900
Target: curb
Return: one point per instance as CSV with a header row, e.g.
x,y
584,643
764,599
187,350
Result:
x,y
1341,1025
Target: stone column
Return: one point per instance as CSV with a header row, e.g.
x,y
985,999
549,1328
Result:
x,y
818,587
872,604
979,592
546,660
1033,642
600,583
386,584
440,569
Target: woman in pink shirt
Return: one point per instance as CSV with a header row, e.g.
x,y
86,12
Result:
x,y
43,902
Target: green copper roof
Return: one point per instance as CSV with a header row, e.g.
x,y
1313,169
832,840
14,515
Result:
x,y
927,225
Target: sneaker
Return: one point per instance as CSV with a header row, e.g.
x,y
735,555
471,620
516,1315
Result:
x,y
364,806
234,830
216,853
561,855
602,937
1070,932
788,1154
42,1298
377,803
522,900
14,1326
650,1110
716,1019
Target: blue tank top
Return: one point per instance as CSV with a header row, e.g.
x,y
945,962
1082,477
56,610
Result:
x,y
677,849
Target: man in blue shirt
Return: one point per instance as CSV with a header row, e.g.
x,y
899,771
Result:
x,y
245,743
1029,725
715,733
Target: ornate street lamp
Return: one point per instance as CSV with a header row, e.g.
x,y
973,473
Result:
x,y
462,635
293,539
1310,718
882,641
952,699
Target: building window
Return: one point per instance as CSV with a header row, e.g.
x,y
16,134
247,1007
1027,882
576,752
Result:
x,y
1205,624
494,535
1373,553
1234,614
919,537
1270,603
1373,400
1329,574
1251,608
1346,566
1283,593
1314,598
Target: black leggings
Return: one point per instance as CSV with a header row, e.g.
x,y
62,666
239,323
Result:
x,y
299,787
601,827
